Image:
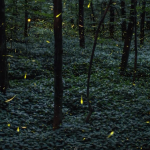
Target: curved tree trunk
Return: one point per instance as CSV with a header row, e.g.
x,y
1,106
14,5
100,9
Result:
x,y
90,65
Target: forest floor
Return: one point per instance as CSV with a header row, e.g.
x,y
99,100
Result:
x,y
122,110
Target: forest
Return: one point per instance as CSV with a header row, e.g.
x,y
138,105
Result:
x,y
75,74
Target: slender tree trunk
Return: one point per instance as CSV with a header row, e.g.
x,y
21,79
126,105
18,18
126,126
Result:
x,y
90,65
142,22
135,61
123,14
128,39
3,50
81,23
58,85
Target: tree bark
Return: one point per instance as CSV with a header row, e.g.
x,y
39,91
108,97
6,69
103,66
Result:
x,y
135,61
3,50
90,65
58,85
123,14
127,42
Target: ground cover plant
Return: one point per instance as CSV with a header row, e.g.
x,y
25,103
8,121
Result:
x,y
119,106
121,109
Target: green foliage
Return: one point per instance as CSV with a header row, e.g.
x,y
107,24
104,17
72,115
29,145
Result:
x,y
120,107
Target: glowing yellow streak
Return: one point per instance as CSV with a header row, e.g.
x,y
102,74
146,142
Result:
x,y
81,100
18,129
10,99
58,15
110,134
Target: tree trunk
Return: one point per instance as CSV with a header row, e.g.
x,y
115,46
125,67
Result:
x,y
135,61
127,42
123,14
90,64
3,50
58,85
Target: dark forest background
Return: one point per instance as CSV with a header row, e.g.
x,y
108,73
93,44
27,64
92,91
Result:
x,y
74,75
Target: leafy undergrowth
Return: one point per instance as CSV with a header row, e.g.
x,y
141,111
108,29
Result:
x,y
121,110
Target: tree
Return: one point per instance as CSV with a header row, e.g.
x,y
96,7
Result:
x,y
81,23
3,50
123,14
135,26
91,110
103,7
127,42
58,85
